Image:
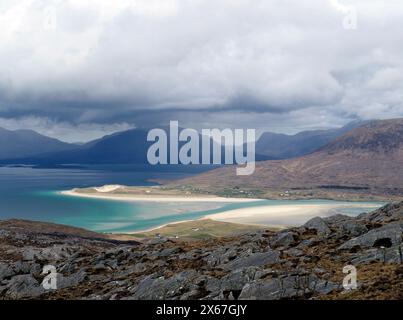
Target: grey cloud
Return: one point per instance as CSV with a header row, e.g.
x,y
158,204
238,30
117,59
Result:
x,y
235,61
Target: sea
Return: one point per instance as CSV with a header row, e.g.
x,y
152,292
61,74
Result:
x,y
34,194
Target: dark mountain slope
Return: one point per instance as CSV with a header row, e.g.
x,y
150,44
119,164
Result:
x,y
368,157
25,143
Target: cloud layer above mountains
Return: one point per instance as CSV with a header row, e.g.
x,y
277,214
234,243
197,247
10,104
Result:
x,y
281,65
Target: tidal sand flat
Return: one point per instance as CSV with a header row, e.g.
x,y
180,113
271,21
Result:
x,y
191,207
148,194
291,214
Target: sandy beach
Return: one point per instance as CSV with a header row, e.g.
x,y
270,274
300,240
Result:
x,y
271,215
283,215
156,198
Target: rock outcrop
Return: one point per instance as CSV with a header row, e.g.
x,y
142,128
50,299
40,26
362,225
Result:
x,y
299,263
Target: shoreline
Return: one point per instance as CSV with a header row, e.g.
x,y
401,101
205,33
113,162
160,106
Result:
x,y
263,226
272,215
158,198
284,215
250,216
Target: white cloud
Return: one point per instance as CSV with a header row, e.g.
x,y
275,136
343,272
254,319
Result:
x,y
98,58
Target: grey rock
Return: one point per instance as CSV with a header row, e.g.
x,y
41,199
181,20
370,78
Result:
x,y
307,243
216,257
72,280
25,267
283,239
6,271
161,288
354,228
55,252
384,255
310,258
319,225
24,286
235,281
287,287
229,255
168,252
254,259
68,267
158,240
294,252
388,213
210,284
325,287
191,295
139,267
100,267
386,236
337,219
347,225
190,255
112,263
272,289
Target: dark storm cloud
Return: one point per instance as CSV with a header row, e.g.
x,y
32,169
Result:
x,y
280,64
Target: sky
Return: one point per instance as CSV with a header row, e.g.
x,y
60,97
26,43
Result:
x,y
79,69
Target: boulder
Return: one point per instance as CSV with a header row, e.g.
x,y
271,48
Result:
x,y
283,239
255,259
389,212
347,225
235,281
72,280
385,236
288,287
151,288
384,255
24,286
294,252
319,225
6,271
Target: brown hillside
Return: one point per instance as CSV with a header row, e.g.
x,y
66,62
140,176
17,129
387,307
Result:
x,y
369,157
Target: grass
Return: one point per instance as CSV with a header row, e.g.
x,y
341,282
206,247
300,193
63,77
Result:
x,y
199,229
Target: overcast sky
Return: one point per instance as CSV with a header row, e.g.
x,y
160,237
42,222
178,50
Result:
x,y
78,69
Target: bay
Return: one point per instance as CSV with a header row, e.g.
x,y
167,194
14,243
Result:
x,y
33,194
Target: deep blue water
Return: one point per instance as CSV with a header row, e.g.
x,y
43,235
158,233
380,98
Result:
x,y
32,194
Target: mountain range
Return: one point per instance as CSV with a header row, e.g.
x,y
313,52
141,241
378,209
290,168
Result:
x,y
26,143
282,146
369,157
130,147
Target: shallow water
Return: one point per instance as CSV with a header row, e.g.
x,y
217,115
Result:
x,y
32,194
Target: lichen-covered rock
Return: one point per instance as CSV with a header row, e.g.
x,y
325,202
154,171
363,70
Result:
x,y
384,255
319,225
283,239
6,271
161,288
23,286
385,236
286,288
346,225
255,259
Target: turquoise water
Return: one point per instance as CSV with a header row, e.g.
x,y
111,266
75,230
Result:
x,y
32,194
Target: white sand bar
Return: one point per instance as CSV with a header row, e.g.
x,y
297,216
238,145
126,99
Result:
x,y
155,198
284,215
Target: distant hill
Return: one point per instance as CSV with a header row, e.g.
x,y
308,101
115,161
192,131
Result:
x,y
130,147
26,143
368,157
281,146
126,147
122,147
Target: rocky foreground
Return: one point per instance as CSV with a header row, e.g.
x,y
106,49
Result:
x,y
298,263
